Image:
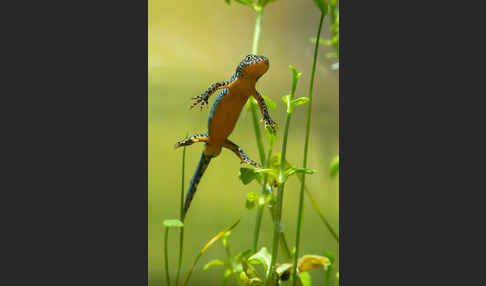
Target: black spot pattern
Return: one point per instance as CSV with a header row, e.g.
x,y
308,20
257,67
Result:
x,y
249,60
203,100
241,154
204,97
191,140
266,117
201,167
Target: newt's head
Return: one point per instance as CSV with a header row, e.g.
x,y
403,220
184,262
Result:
x,y
252,66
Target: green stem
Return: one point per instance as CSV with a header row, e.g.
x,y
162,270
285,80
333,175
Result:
x,y
319,212
258,27
285,246
257,226
306,145
278,211
261,206
327,277
253,104
181,231
256,127
283,240
276,230
230,263
166,255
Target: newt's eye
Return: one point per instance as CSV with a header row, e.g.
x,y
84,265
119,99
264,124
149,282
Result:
x,y
248,58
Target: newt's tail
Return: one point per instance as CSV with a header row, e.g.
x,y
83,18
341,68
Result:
x,y
201,167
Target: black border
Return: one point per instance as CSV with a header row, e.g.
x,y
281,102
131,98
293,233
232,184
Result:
x,y
75,188
74,110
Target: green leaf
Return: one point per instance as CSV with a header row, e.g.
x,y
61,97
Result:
x,y
249,270
251,199
293,170
226,275
250,276
286,100
270,103
295,73
267,171
334,166
243,276
275,162
225,238
173,223
237,268
261,257
227,1
265,2
262,200
249,280
245,2
227,235
305,278
330,255
247,175
243,255
300,101
322,5
212,263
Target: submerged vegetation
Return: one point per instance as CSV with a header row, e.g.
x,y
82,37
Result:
x,y
262,264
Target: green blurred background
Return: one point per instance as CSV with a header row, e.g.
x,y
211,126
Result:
x,y
193,44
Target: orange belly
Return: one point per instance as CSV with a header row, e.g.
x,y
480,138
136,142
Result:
x,y
225,115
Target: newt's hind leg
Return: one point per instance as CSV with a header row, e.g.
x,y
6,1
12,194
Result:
x,y
191,140
240,153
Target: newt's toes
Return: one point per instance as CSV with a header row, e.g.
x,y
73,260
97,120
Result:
x,y
272,125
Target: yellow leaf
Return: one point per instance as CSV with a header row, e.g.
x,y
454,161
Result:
x,y
309,262
218,236
213,240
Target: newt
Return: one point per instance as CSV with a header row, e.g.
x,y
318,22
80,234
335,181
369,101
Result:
x,y
224,114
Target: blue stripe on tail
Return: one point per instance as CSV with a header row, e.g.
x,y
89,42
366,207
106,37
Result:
x,y
201,167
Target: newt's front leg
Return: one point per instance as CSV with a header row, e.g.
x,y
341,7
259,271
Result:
x,y
204,97
264,110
